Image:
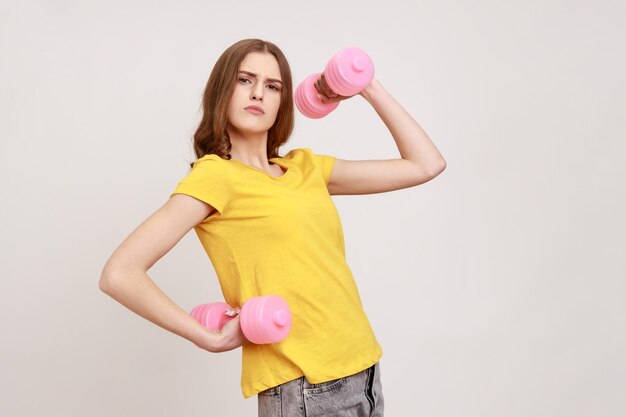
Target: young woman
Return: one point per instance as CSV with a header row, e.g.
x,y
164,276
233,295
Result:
x,y
269,226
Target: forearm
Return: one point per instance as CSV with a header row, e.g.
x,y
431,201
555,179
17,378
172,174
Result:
x,y
136,291
411,140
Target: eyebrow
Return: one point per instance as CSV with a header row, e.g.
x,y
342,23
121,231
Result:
x,y
251,74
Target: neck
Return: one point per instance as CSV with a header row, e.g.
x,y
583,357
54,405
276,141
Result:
x,y
250,149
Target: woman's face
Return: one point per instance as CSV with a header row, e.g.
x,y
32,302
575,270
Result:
x,y
258,84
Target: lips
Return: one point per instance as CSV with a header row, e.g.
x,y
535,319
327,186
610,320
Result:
x,y
255,110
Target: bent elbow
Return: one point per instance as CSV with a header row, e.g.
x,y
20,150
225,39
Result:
x,y
105,284
107,279
433,172
425,174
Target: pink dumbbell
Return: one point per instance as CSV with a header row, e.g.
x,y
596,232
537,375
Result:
x,y
265,319
347,72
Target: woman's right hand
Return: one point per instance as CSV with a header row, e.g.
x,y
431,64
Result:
x,y
228,338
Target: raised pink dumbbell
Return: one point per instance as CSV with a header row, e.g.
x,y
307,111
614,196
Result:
x,y
348,72
264,319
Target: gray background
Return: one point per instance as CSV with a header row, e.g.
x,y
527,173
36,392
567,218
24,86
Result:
x,y
497,289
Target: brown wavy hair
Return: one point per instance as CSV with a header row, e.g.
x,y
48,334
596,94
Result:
x,y
211,136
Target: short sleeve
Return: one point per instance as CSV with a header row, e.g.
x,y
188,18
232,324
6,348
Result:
x,y
325,164
208,181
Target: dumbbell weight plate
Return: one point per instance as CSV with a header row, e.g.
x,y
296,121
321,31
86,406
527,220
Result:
x,y
265,319
307,102
212,315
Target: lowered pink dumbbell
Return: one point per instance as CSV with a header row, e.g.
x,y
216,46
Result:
x,y
348,72
265,319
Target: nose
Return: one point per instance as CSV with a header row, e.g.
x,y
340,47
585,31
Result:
x,y
257,92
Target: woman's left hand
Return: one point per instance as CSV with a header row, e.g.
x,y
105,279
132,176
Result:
x,y
326,95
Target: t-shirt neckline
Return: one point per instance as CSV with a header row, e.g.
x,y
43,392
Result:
x,y
278,161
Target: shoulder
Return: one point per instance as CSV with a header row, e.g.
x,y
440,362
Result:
x,y
211,163
210,159
300,154
308,153
306,158
209,167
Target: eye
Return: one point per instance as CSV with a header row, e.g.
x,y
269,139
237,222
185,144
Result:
x,y
274,87
243,79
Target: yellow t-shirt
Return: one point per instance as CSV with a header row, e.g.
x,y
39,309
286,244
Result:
x,y
283,236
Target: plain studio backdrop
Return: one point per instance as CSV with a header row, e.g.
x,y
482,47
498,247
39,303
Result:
x,y
496,289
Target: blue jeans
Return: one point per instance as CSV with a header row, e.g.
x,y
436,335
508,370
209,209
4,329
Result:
x,y
358,395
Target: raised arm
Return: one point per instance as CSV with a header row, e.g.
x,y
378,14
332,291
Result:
x,y
124,276
420,160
